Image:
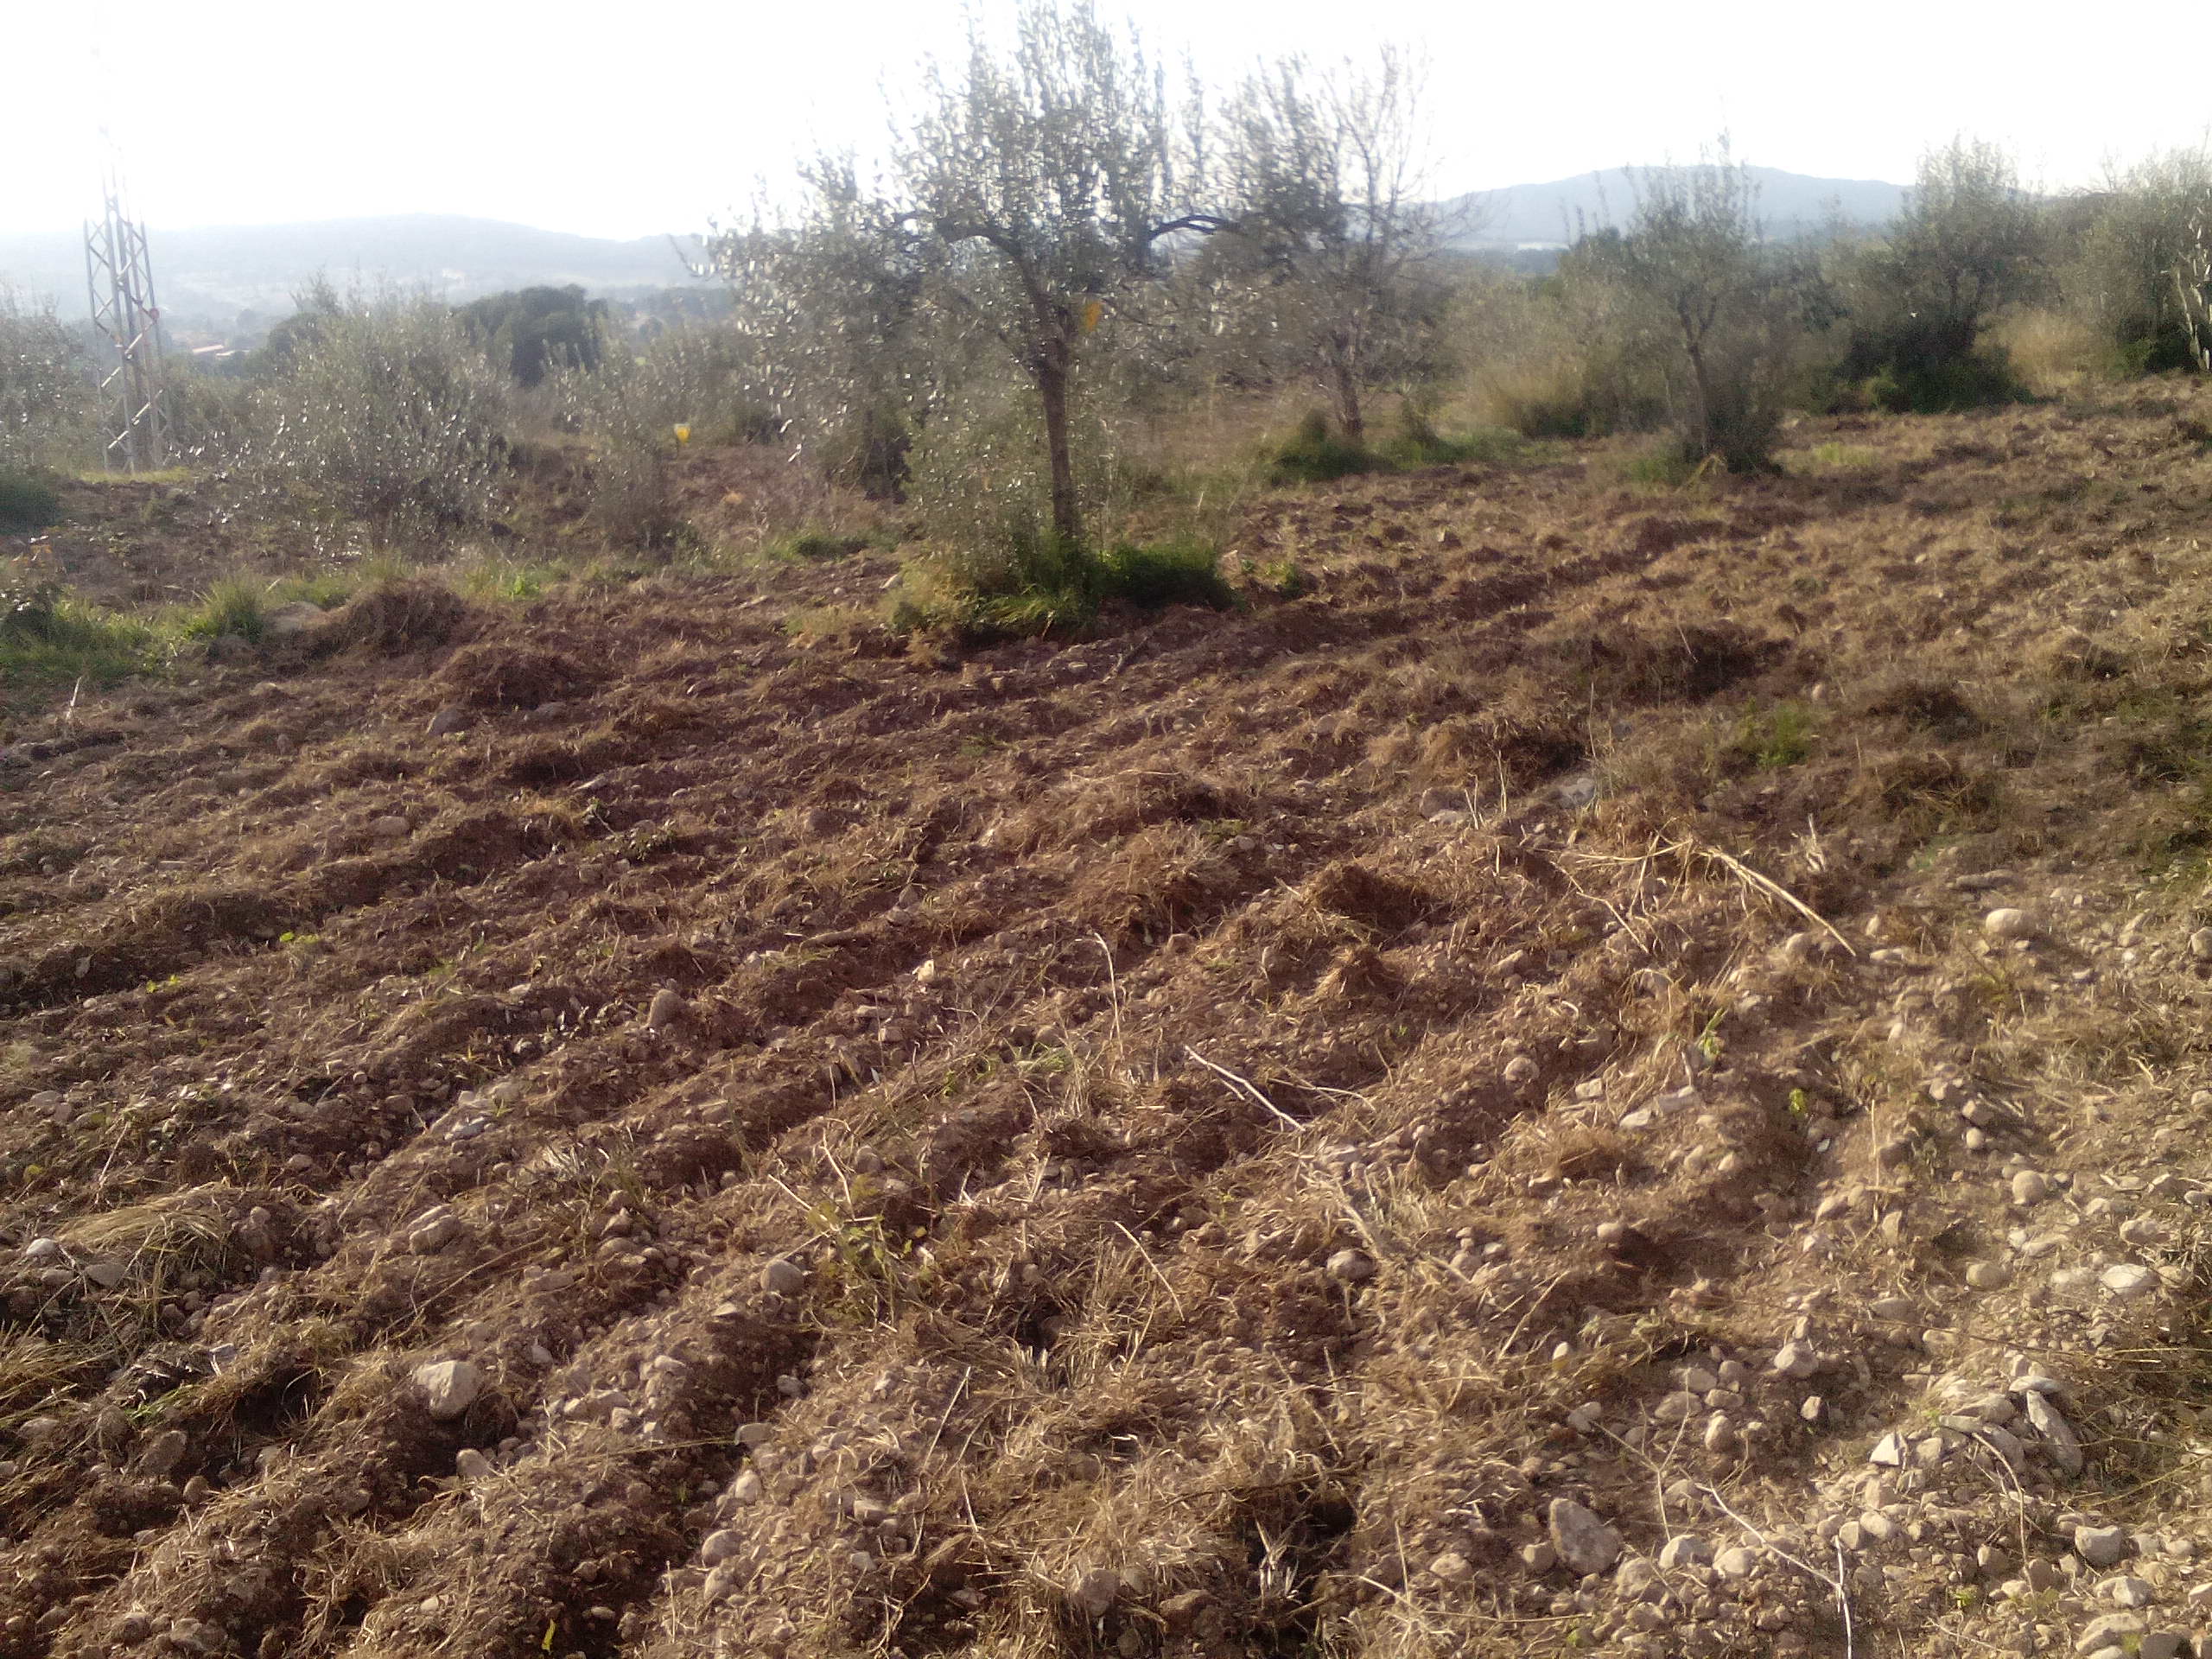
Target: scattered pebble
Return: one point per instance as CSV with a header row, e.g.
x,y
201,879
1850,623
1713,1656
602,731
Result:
x,y
159,1458
432,1229
1684,1550
2100,1546
1350,1268
1094,1591
718,1546
2128,1280
449,1387
2010,923
1735,1562
1584,1541
1452,1567
783,1277
2109,1631
1795,1359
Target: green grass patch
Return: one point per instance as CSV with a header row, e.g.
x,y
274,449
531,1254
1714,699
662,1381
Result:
x,y
61,638
1840,458
1417,444
1665,468
236,607
811,546
325,590
505,580
1284,578
1184,571
1775,736
1314,454
1037,583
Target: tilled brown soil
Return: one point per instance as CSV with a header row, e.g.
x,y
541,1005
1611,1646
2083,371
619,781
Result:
x,y
1192,1142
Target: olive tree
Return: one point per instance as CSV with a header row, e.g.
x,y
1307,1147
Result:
x,y
1323,171
45,402
828,312
1044,186
386,410
2128,249
1969,239
1724,308
1969,242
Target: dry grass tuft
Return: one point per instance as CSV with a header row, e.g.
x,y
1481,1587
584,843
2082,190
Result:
x,y
492,675
397,619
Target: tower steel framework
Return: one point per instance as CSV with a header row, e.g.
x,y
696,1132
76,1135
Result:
x,y
119,275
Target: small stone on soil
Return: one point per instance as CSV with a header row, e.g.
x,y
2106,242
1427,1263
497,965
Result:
x,y
2101,1546
449,1387
783,1277
1350,1268
1584,1541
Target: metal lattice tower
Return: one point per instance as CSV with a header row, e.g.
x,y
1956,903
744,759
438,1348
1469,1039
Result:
x,y
134,413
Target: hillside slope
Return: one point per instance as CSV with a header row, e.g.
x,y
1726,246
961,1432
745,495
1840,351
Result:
x,y
1789,204
1452,1114
211,272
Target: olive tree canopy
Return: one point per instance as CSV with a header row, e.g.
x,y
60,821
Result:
x,y
1325,171
1048,182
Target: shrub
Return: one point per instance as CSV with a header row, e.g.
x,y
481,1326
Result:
x,y
1418,444
633,498
1968,244
539,329
2119,252
1926,376
1537,400
702,376
389,412
1720,311
28,499
46,395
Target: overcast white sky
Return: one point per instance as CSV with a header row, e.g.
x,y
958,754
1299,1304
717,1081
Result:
x,y
633,120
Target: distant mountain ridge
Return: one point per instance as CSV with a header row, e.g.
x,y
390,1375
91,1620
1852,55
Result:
x,y
1790,204
208,276
213,273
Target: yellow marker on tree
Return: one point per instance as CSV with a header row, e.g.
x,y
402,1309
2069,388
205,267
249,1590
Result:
x,y
1092,311
684,432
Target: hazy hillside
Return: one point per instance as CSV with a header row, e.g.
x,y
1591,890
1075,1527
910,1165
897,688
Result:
x,y
1791,203
215,272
